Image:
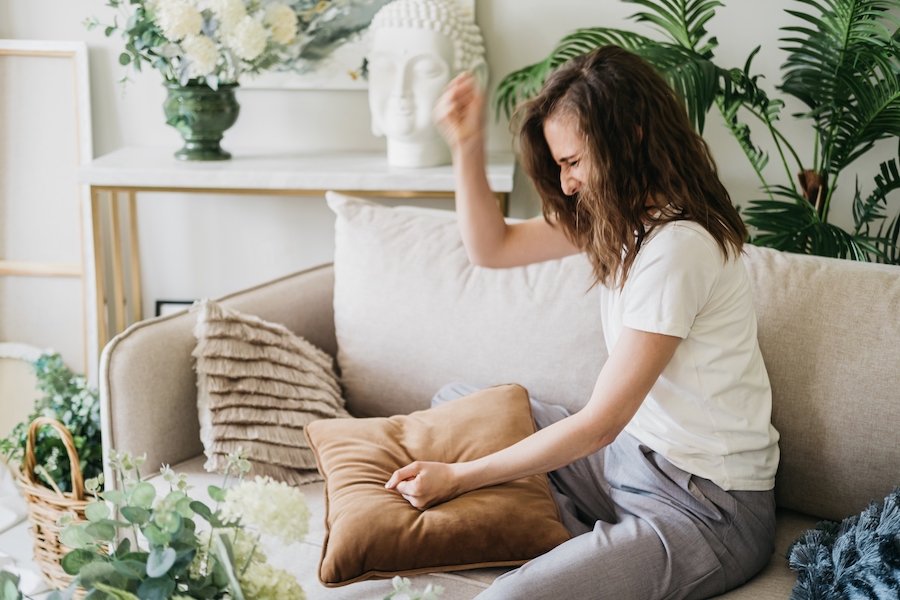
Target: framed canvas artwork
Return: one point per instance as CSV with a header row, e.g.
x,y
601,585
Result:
x,y
331,47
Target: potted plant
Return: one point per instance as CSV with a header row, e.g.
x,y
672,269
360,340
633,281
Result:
x,y
68,399
167,545
202,47
843,64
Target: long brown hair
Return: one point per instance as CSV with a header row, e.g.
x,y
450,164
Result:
x,y
639,146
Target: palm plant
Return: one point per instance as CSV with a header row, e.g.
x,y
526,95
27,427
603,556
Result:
x,y
843,64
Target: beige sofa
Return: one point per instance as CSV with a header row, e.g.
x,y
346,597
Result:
x,y
829,332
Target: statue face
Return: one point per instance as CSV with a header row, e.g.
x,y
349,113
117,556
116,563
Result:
x,y
408,70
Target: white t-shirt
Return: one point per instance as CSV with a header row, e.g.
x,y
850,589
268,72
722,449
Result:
x,y
710,411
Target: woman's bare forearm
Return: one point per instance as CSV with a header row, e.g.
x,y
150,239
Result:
x,y
558,445
481,222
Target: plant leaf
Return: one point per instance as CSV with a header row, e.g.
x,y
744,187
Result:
x,y
136,515
156,589
794,225
142,495
132,569
843,64
96,511
9,586
101,530
155,535
216,493
117,497
115,593
100,572
74,560
75,536
160,561
682,21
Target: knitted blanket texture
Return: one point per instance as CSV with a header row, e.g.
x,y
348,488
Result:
x,y
857,559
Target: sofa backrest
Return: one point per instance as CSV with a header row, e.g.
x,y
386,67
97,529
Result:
x,y
412,314
829,332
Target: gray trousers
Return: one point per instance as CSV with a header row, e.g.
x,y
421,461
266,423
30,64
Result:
x,y
642,527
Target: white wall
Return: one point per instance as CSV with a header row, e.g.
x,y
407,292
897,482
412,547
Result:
x,y
206,246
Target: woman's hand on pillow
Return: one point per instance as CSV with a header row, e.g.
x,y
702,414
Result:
x,y
425,484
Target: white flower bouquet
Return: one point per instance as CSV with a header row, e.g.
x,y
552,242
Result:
x,y
205,41
170,546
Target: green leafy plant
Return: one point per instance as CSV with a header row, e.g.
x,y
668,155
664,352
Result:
x,y
68,399
168,546
843,64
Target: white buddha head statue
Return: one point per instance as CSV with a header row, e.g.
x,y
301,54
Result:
x,y
418,46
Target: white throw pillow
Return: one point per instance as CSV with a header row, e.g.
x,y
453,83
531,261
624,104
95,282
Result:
x,y
412,314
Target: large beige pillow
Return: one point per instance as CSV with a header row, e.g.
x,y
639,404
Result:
x,y
373,532
258,387
412,314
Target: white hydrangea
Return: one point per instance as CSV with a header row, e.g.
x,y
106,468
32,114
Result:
x,y
178,19
264,582
247,39
228,13
274,507
201,54
283,22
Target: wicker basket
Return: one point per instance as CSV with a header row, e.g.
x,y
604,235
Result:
x,y
45,506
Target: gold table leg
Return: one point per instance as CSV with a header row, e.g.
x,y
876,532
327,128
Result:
x,y
137,308
99,287
118,278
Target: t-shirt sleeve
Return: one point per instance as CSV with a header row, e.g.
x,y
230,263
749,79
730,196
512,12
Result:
x,y
671,281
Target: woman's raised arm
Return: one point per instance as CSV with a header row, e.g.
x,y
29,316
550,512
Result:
x,y
488,239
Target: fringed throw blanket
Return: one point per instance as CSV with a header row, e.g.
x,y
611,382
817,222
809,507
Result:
x,y
857,559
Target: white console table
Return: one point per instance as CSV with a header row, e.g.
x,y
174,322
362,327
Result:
x,y
129,171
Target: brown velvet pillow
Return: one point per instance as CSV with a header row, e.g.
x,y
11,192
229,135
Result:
x,y
373,532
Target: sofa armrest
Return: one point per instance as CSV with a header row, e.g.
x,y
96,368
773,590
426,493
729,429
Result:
x,y
148,389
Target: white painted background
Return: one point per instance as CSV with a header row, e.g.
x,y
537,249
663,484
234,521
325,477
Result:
x,y
202,246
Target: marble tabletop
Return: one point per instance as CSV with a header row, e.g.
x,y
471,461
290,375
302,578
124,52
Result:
x,y
144,167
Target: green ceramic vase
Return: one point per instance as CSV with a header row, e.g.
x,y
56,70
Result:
x,y
201,115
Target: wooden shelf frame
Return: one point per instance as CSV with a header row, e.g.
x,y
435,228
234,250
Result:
x,y
77,54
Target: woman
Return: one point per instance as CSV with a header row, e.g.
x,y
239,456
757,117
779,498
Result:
x,y
667,473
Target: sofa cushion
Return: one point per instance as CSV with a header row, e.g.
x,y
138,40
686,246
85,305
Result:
x,y
374,532
412,314
301,560
829,332
258,386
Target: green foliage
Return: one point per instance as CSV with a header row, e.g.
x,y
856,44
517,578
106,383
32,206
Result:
x,y
68,399
170,557
843,63
9,586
